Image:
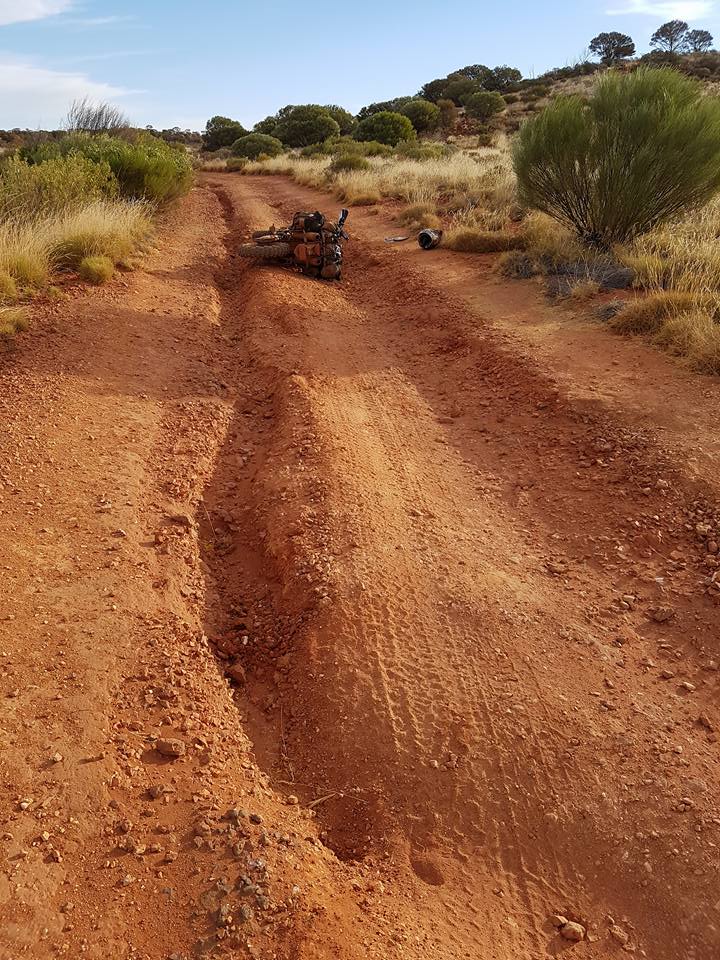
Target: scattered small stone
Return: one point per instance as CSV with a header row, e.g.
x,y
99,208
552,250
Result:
x,y
57,758
686,685
171,748
662,614
572,931
119,533
255,818
617,933
667,674
558,920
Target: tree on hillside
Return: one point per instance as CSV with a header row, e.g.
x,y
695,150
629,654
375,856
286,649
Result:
x,y
460,87
699,41
394,106
448,115
501,78
671,37
422,114
266,126
222,132
612,47
344,119
475,71
434,90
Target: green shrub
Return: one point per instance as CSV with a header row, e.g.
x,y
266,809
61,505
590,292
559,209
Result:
x,y
53,185
147,168
307,124
422,114
96,270
643,148
481,106
448,115
222,132
385,127
255,144
343,118
510,98
462,87
423,151
235,163
348,161
364,148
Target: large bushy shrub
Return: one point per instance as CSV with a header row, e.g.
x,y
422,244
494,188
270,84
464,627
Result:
x,y
254,144
385,127
422,114
483,105
342,117
45,188
301,126
146,168
643,148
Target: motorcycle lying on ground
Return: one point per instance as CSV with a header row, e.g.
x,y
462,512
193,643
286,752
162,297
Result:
x,y
310,244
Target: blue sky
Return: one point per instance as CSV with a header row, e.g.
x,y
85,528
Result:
x,y
178,62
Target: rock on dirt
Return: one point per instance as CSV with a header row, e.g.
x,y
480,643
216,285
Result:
x,y
171,748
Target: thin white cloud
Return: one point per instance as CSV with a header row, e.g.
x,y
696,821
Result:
x,y
37,97
20,11
667,9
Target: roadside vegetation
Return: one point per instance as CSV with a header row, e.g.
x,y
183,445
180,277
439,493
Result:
x,y
593,178
80,203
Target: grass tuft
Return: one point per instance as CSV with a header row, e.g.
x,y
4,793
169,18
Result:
x,y
13,320
472,240
8,287
97,270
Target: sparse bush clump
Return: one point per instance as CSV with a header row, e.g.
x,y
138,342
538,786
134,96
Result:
x,y
643,148
96,270
348,161
253,145
385,127
470,240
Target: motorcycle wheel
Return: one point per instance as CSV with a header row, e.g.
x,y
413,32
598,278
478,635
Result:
x,y
270,251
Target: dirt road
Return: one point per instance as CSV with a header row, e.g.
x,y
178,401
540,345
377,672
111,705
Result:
x,y
445,559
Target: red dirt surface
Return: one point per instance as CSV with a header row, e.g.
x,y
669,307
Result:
x,y
418,577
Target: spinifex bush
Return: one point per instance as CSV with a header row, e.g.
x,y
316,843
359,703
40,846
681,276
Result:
x,y
643,148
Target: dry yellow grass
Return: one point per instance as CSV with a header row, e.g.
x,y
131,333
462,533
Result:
x,y
472,240
484,180
96,270
420,216
31,250
13,320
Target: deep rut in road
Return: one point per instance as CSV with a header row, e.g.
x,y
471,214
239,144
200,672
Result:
x,y
453,595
